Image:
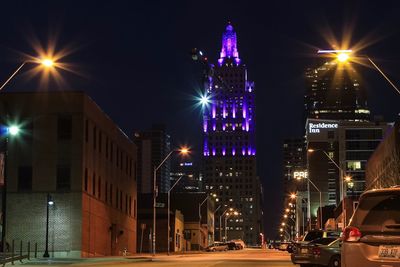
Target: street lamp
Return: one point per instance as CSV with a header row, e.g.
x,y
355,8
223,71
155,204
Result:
x,y
183,151
344,56
215,211
49,202
201,204
11,131
220,222
227,215
343,179
169,207
320,196
46,62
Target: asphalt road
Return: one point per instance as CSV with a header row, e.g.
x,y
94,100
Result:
x,y
246,257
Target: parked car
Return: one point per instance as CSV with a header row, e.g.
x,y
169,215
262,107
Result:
x,y
217,246
319,252
313,235
239,243
231,245
283,246
373,235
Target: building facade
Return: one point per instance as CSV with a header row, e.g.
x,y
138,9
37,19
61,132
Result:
x,y
347,143
153,146
189,176
229,138
383,167
68,148
334,91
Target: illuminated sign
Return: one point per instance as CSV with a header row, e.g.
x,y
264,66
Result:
x,y
300,175
316,127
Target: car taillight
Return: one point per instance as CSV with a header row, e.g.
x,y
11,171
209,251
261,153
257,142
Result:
x,y
316,251
351,234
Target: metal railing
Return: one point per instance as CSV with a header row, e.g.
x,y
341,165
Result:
x,y
12,254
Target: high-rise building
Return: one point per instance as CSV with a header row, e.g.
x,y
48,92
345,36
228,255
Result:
x,y
335,91
230,143
190,179
294,161
153,146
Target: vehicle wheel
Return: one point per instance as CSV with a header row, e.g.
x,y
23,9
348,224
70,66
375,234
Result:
x,y
334,262
213,250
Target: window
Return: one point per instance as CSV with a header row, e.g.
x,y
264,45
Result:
x,y
99,188
331,134
354,165
94,137
86,180
100,140
25,178
64,127
87,131
106,192
94,184
63,178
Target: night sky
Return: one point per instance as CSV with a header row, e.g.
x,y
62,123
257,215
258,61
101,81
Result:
x,y
132,58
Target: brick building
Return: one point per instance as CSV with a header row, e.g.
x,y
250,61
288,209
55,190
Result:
x,y
69,148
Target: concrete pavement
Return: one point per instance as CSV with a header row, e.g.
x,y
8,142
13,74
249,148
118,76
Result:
x,y
246,257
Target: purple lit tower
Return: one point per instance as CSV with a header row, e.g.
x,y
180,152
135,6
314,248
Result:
x,y
230,144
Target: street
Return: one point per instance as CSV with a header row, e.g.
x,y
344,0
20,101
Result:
x,y
246,257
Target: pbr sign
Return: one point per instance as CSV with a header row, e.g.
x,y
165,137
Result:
x,y
317,127
300,175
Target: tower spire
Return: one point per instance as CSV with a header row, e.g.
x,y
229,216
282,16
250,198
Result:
x,y
229,45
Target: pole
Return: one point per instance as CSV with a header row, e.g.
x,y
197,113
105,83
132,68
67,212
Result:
x,y
200,204
384,76
226,224
154,209
12,75
320,208
168,227
220,228
46,252
4,198
214,221
169,208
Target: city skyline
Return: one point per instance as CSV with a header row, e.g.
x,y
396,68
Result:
x,y
123,63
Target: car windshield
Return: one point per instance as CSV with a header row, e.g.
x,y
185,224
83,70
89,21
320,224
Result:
x,y
378,213
323,241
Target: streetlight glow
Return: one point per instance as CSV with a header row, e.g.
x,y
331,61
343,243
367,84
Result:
x,y
343,57
293,196
287,210
47,62
347,178
13,130
184,150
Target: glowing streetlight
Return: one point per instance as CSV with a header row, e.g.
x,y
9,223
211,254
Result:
x,y
287,210
281,229
293,196
183,151
14,130
283,224
46,62
347,178
343,57
285,216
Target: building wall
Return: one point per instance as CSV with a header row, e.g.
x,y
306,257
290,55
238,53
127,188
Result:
x,y
383,167
178,237
67,142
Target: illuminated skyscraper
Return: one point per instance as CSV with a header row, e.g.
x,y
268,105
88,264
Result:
x,y
334,91
230,144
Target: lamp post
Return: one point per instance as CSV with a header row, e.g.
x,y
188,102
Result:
x,y
183,151
345,55
11,131
201,204
169,205
49,203
215,211
294,196
309,202
233,213
342,184
45,62
220,222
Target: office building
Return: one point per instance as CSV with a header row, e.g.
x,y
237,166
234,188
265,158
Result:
x,y
153,146
229,136
70,150
189,176
334,91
